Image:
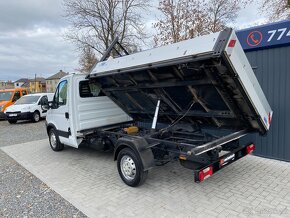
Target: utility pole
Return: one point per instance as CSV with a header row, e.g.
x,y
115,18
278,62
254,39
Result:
x,y
35,83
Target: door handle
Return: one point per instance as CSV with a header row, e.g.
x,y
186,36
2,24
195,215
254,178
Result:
x,y
66,115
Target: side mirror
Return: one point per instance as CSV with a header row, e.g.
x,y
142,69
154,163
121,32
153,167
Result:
x,y
53,105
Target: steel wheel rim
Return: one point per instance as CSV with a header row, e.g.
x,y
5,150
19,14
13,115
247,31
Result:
x,y
53,141
128,167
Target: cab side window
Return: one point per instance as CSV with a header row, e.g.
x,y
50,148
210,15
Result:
x,y
60,96
16,96
87,89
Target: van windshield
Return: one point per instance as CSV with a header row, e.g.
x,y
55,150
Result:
x,y
28,99
5,96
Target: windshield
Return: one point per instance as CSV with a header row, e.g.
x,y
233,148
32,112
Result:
x,y
28,100
5,96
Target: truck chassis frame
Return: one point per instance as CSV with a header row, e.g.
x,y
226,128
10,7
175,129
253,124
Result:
x,y
196,150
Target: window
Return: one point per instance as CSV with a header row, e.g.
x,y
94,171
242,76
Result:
x,y
32,99
43,100
24,92
88,89
5,96
60,96
16,96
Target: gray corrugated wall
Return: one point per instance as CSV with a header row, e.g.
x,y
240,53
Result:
x,y
273,73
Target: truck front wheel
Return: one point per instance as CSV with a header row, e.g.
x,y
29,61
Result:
x,y
54,142
130,168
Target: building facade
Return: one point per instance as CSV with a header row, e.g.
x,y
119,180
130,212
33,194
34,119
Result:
x,y
37,85
6,84
268,50
52,81
23,82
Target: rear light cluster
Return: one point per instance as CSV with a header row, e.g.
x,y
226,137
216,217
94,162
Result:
x,y
232,43
250,148
205,173
208,171
269,118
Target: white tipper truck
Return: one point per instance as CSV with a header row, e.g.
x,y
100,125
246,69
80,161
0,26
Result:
x,y
190,101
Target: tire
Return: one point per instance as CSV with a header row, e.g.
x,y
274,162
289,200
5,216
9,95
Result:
x,y
54,142
36,116
130,168
12,121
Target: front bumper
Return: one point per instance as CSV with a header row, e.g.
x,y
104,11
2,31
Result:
x,y
18,116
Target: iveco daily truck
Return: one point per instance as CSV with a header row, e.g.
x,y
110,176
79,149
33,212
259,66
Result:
x,y
190,101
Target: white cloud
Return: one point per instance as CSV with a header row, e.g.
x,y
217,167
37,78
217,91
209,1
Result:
x,y
31,39
40,51
250,16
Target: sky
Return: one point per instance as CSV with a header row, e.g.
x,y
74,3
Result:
x,y
32,42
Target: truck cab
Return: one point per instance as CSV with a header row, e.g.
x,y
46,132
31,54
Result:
x,y
77,108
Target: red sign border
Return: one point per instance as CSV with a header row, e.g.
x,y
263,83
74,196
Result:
x,y
261,35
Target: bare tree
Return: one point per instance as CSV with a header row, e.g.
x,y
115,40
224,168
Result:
x,y
87,59
184,19
181,20
221,12
95,23
276,9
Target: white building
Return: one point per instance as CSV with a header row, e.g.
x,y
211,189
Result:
x,y
21,83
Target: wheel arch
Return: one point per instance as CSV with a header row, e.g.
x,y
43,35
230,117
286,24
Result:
x,y
49,127
140,147
36,110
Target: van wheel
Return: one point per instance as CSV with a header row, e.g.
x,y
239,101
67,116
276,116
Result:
x,y
130,168
12,121
54,141
36,116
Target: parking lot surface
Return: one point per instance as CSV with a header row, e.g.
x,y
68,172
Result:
x,y
21,193
250,187
22,131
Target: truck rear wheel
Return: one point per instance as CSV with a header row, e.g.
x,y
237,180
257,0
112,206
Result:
x,y
54,142
130,168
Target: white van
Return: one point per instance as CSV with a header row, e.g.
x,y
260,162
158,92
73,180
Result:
x,y
29,107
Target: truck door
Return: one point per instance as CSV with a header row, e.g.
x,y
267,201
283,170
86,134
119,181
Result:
x,y
60,112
